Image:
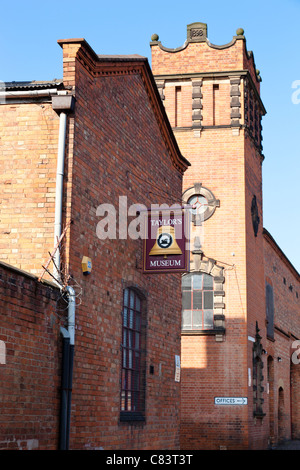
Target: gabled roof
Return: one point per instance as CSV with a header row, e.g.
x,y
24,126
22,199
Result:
x,y
105,65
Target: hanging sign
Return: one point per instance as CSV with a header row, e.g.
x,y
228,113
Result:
x,y
165,242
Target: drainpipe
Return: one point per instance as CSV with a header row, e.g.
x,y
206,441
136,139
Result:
x,y
62,104
59,189
71,329
67,372
64,389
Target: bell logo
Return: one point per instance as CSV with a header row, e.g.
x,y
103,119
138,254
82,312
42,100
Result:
x,y
165,243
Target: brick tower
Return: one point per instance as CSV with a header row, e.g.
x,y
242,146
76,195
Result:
x,y
212,98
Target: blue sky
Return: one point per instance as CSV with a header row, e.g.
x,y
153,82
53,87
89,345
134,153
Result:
x,y
30,30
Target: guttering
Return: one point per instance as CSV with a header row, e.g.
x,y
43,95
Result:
x,y
28,93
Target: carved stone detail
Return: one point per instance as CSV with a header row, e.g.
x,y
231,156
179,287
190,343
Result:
x,y
235,104
161,87
197,104
197,32
252,115
212,202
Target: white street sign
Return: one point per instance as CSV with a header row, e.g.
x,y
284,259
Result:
x,y
231,401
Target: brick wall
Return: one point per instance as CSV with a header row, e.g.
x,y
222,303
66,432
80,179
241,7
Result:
x,y
118,144
29,138
226,160
119,149
218,164
286,294
30,362
198,57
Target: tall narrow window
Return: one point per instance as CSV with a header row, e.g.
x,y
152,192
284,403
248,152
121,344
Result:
x,y
197,301
270,310
216,105
177,106
282,431
133,357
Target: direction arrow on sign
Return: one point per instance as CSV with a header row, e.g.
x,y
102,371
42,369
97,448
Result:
x,y
231,400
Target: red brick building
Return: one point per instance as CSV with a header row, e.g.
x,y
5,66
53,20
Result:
x,y
108,136
241,307
87,360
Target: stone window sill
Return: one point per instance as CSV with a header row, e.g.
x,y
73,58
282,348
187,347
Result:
x,y
131,416
214,331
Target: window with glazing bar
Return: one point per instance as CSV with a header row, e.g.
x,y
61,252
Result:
x,y
197,301
133,363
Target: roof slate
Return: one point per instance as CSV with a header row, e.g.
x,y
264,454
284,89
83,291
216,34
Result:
x,y
31,85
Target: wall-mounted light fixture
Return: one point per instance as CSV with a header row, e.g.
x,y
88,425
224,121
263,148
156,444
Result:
x,y
279,359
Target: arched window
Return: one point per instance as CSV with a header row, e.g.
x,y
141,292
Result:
x,y
133,356
197,301
270,310
281,417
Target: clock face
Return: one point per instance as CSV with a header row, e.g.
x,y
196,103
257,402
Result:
x,y
199,204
